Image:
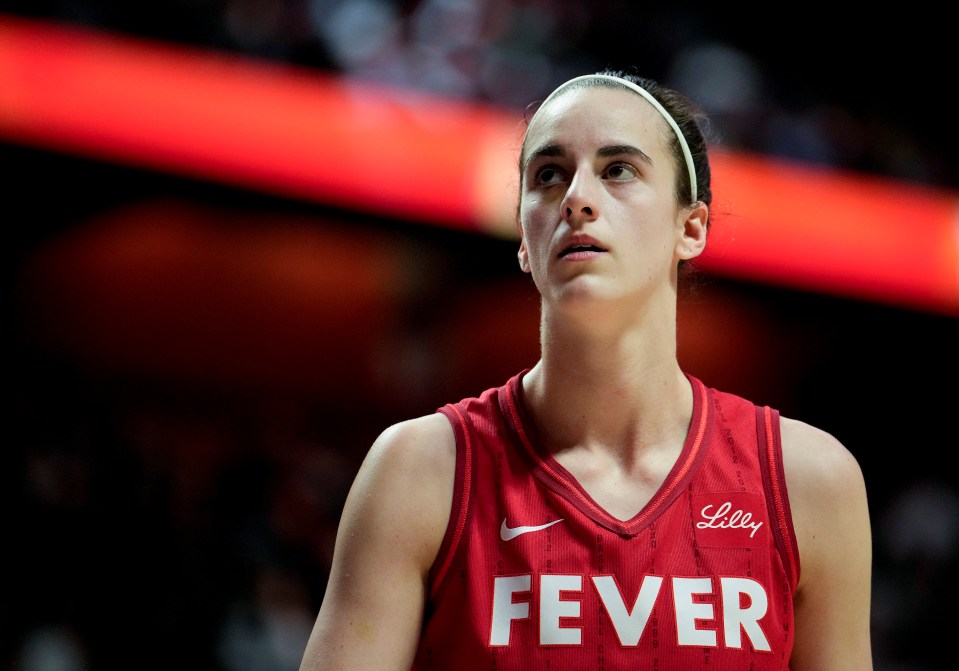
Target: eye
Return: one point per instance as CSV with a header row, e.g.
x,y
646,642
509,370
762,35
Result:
x,y
620,172
548,174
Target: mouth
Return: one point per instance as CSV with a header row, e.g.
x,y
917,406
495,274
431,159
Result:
x,y
580,248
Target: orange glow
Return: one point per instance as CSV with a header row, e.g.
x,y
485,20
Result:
x,y
307,135
835,232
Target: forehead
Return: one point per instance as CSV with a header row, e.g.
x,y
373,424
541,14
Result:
x,y
597,115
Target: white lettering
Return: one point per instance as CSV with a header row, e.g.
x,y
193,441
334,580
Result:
x,y
719,520
688,611
744,603
629,624
737,619
552,608
505,610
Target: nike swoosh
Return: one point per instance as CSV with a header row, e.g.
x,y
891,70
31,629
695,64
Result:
x,y
508,534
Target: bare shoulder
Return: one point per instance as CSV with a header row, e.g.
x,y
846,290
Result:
x,y
395,515
827,496
816,462
830,513
390,531
413,461
409,470
425,444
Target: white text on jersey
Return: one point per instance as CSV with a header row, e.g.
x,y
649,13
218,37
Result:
x,y
696,623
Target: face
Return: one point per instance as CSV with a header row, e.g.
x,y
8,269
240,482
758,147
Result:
x,y
598,209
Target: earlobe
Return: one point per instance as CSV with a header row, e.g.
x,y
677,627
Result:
x,y
693,240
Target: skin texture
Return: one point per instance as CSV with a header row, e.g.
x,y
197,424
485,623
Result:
x,y
598,179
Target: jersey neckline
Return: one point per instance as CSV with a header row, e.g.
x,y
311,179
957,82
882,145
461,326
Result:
x,y
555,476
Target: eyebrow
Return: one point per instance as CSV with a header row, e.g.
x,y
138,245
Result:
x,y
555,150
549,150
620,149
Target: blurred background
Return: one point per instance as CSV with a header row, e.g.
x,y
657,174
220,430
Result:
x,y
247,235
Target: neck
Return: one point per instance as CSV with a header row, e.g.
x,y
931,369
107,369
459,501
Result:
x,y
623,389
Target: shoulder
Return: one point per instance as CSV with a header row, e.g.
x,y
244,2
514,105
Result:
x,y
830,514
827,496
423,437
390,532
816,462
406,481
414,450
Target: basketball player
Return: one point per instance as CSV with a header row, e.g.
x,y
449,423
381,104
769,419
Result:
x,y
604,509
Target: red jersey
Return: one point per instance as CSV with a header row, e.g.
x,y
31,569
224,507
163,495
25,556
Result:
x,y
534,574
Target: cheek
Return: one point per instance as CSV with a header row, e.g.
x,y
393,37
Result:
x,y
536,246
531,221
529,205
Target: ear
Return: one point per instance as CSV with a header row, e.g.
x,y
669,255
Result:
x,y
692,241
523,256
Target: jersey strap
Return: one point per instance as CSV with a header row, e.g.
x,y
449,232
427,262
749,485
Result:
x,y
770,456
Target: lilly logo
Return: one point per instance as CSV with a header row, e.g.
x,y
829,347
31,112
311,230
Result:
x,y
730,519
722,518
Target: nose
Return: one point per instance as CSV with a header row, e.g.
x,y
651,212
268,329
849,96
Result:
x,y
580,203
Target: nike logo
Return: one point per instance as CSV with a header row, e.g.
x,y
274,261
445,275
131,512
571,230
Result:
x,y
507,534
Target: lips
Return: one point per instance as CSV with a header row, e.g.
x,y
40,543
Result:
x,y
580,248
581,244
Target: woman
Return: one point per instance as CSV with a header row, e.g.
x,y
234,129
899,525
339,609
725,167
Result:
x,y
603,509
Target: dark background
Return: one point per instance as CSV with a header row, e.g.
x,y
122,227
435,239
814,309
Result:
x,y
179,451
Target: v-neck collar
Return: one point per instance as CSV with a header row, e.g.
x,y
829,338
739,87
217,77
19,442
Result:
x,y
555,476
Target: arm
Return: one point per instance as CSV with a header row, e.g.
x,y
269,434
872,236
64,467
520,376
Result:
x,y
827,496
390,531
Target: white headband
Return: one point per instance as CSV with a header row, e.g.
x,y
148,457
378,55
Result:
x,y
652,101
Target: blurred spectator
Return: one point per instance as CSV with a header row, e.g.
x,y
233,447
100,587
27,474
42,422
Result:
x,y
52,648
268,630
728,84
917,574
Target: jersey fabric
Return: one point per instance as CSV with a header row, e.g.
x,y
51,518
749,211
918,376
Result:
x,y
534,574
